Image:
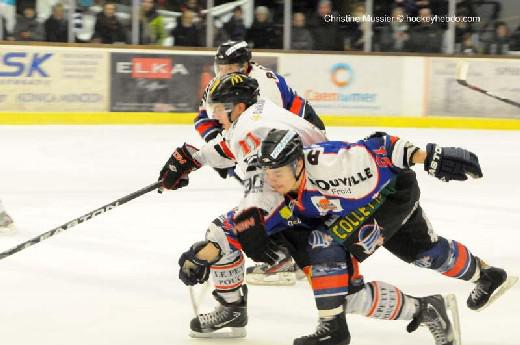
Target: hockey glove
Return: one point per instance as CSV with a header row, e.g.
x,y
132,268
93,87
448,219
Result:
x,y
451,163
174,174
193,270
250,231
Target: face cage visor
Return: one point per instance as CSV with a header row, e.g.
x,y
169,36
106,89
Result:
x,y
227,68
219,108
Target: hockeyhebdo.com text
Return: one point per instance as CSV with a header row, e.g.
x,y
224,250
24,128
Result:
x,y
347,18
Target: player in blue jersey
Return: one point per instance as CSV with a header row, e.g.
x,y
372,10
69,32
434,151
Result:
x,y
334,271
367,197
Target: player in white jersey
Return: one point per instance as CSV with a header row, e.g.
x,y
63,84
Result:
x,y
5,220
232,101
221,253
235,56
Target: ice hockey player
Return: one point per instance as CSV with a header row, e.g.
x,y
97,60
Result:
x,y
232,99
368,197
235,56
5,220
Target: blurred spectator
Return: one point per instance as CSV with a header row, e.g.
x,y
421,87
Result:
x,y
151,26
56,26
4,35
500,42
394,34
461,29
261,34
354,32
108,28
27,27
515,40
467,45
195,8
186,33
301,37
425,37
326,35
235,28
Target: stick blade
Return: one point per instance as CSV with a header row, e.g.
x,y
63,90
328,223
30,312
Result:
x,y
462,72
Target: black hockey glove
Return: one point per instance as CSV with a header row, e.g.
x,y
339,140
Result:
x,y
193,270
174,174
250,231
451,163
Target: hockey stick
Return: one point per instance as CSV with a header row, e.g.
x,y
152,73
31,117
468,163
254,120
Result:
x,y
196,301
79,220
462,73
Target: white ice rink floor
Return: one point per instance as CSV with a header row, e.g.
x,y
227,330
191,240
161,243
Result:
x,y
113,280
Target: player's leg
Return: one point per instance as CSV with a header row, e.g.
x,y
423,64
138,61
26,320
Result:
x,y
218,255
329,278
5,219
417,243
383,301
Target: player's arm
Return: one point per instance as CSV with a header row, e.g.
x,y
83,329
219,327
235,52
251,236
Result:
x,y
445,163
296,104
187,158
207,128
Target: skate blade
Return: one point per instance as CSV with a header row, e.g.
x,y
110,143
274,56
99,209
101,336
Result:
x,y
450,302
229,332
277,279
8,228
502,289
283,265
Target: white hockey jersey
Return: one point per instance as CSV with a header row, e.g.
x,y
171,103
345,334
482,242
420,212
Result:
x,y
242,141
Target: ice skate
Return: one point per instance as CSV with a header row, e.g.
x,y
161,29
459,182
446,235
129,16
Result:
x,y
6,222
228,320
433,313
492,284
330,331
281,273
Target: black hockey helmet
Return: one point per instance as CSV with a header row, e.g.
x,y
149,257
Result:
x,y
280,147
231,52
231,89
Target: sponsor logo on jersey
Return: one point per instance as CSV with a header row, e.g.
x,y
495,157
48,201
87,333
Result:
x,y
370,237
348,181
325,205
341,228
286,213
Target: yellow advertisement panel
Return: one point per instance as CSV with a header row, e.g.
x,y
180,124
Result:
x,y
53,79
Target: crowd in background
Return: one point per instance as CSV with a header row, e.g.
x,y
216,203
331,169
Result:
x,y
110,23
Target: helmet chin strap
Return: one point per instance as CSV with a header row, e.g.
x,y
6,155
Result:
x,y
293,168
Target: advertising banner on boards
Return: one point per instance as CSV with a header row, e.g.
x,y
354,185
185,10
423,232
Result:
x,y
446,97
162,82
53,79
347,85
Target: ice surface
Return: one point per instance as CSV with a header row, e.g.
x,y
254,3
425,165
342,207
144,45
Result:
x,y
113,280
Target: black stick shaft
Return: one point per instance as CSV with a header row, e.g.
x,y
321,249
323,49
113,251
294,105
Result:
x,y
490,94
79,220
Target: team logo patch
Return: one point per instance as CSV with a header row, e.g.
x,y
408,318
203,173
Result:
x,y
425,262
319,239
370,237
